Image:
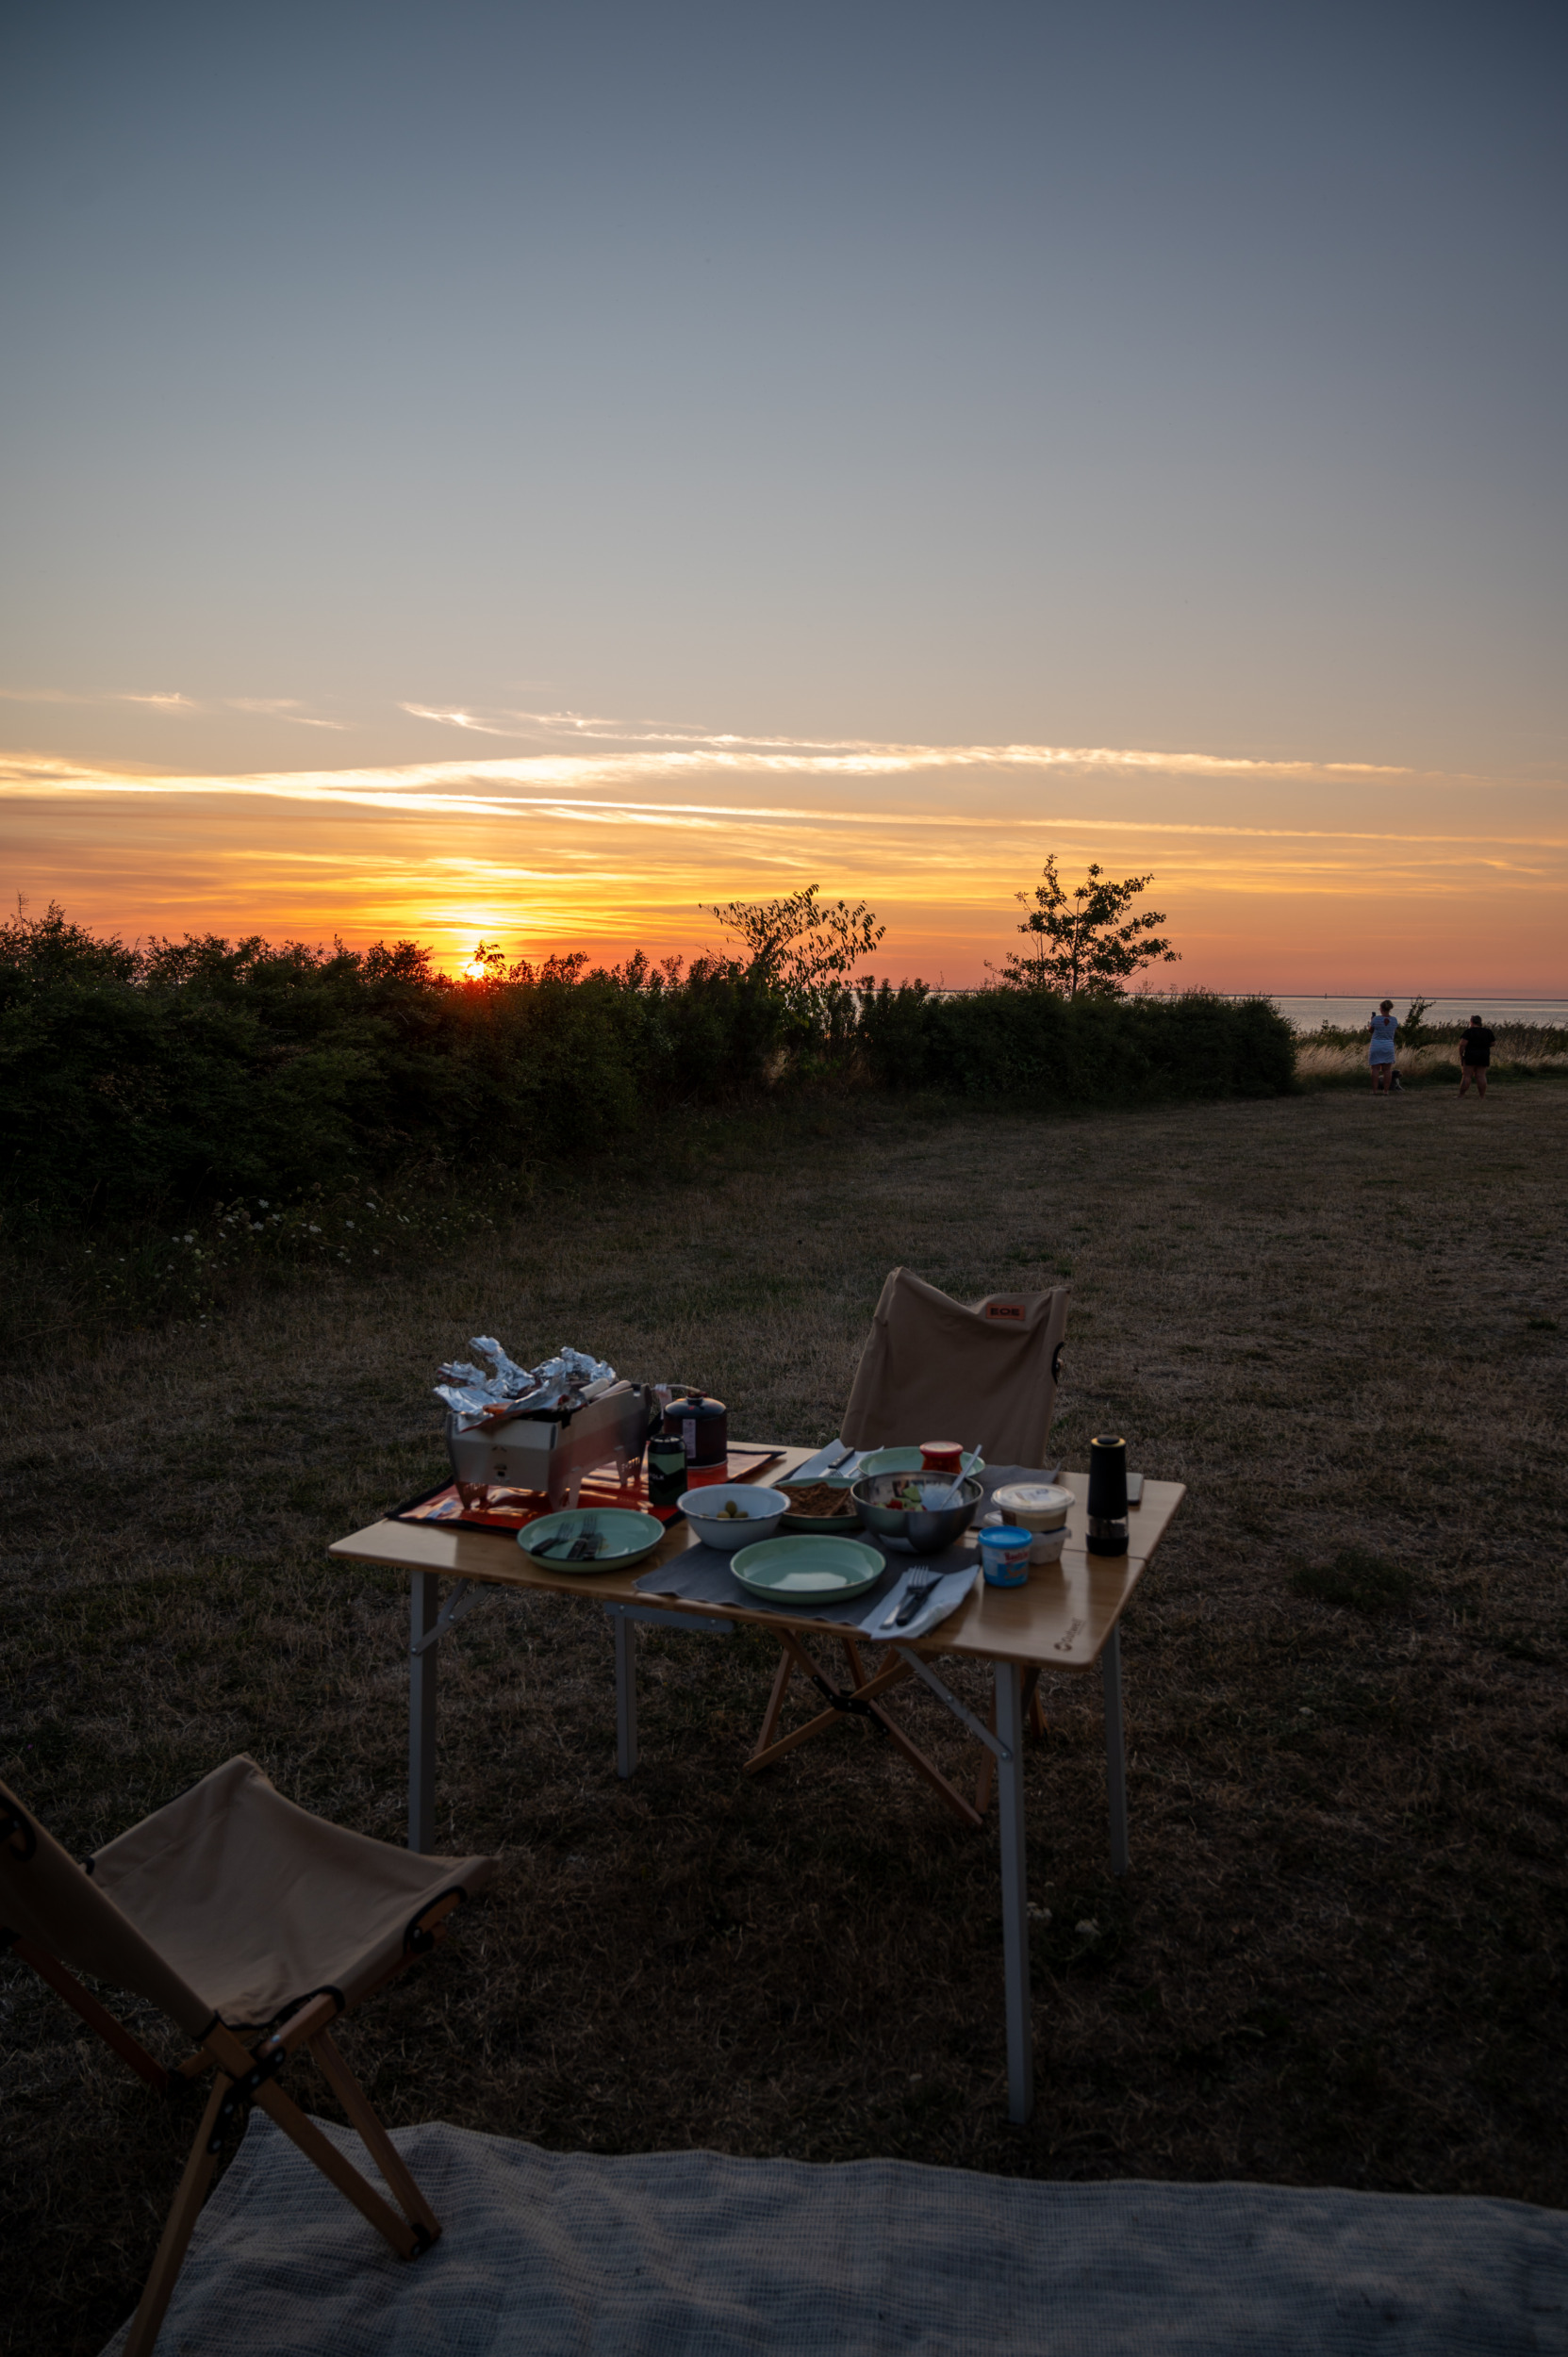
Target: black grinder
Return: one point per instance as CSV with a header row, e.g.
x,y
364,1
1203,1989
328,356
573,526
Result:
x,y
1107,1509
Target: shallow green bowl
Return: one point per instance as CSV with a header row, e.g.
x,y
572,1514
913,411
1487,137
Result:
x,y
821,1525
628,1535
807,1571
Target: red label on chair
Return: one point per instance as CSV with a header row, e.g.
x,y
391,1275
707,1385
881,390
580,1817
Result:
x,y
1005,1309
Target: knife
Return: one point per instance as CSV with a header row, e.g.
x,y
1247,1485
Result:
x,y
826,1460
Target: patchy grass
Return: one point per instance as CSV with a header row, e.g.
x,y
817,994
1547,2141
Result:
x,y
1357,1578
1339,1954
1332,1055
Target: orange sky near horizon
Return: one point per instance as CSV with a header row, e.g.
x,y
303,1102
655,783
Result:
x,y
1285,877
413,533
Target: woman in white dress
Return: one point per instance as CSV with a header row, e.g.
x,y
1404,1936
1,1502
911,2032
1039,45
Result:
x,y
1380,1054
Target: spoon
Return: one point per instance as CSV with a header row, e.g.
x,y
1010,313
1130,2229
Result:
x,y
951,1498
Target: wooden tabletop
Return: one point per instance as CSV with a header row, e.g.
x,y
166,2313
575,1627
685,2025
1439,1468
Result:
x,y
1060,1621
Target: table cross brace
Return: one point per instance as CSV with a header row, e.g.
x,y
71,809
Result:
x,y
977,1727
462,1600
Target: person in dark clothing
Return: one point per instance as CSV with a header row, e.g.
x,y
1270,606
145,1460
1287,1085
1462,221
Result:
x,y
1475,1056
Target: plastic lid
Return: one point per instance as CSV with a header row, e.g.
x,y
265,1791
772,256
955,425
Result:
x,y
1035,1497
1005,1535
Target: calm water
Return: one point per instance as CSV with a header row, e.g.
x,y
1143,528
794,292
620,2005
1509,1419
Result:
x,y
1352,1013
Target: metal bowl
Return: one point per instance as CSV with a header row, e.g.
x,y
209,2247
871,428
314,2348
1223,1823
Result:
x,y
916,1530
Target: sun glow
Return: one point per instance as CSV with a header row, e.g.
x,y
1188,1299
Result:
x,y
1275,876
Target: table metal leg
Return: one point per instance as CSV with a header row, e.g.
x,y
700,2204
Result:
x,y
1115,1751
424,1604
1015,1892
625,1695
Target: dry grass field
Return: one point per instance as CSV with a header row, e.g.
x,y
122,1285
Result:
x,y
1517,1048
1339,1954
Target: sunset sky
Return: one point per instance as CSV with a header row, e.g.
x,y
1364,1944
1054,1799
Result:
x,y
485,469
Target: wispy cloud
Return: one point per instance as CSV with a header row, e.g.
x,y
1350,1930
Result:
x,y
456,721
172,699
850,755
551,785
279,708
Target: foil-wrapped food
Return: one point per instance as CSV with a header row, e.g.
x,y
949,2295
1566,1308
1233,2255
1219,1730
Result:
x,y
543,1428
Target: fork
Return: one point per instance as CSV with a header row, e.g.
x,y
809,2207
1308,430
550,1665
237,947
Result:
x,y
922,1579
560,1539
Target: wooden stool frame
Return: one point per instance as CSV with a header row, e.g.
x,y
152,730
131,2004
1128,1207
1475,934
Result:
x,y
247,2074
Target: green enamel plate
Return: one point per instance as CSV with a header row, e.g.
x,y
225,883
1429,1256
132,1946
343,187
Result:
x,y
822,1571
624,1538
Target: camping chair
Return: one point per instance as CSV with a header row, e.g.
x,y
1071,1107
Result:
x,y
252,1924
933,1370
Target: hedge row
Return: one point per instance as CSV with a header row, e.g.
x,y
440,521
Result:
x,y
134,1082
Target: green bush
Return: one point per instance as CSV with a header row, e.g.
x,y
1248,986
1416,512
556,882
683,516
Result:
x,y
1034,1047
152,1085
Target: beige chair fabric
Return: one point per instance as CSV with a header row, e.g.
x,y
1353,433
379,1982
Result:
x,y
47,1898
933,1370
229,1900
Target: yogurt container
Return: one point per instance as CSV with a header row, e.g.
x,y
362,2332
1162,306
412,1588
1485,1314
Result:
x,y
1041,1508
1004,1554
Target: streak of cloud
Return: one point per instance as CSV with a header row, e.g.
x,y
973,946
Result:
x,y
456,720
279,708
454,788
265,707
850,755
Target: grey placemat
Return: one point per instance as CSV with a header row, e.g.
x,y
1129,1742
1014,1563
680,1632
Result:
x,y
702,1574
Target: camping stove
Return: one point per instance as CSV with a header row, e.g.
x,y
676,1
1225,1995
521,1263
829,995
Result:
x,y
554,1447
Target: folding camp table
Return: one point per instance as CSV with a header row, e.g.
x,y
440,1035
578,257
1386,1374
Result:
x,y
1067,1618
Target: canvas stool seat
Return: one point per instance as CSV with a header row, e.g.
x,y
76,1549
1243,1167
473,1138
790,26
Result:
x,y
933,1368
252,1924
258,1905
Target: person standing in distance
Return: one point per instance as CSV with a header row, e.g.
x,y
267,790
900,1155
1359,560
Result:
x,y
1380,1054
1475,1056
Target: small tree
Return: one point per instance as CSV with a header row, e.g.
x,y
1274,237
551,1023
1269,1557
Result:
x,y
487,965
799,948
1082,941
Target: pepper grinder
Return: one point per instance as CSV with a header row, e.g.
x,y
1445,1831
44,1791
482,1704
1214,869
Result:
x,y
1107,1509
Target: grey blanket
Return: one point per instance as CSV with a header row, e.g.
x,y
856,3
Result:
x,y
690,2255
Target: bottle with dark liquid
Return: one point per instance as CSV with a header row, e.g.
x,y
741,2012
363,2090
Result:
x,y
667,1468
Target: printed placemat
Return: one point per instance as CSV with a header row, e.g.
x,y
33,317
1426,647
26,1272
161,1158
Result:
x,y
512,1511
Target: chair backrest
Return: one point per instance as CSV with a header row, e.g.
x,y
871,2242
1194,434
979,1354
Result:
x,y
933,1370
47,1897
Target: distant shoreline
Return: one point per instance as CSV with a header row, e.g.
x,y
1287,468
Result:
x,y
1341,1011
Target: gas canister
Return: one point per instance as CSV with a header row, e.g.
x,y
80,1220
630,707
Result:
x,y
702,1425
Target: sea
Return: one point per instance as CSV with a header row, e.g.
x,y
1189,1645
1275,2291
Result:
x,y
1349,1014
